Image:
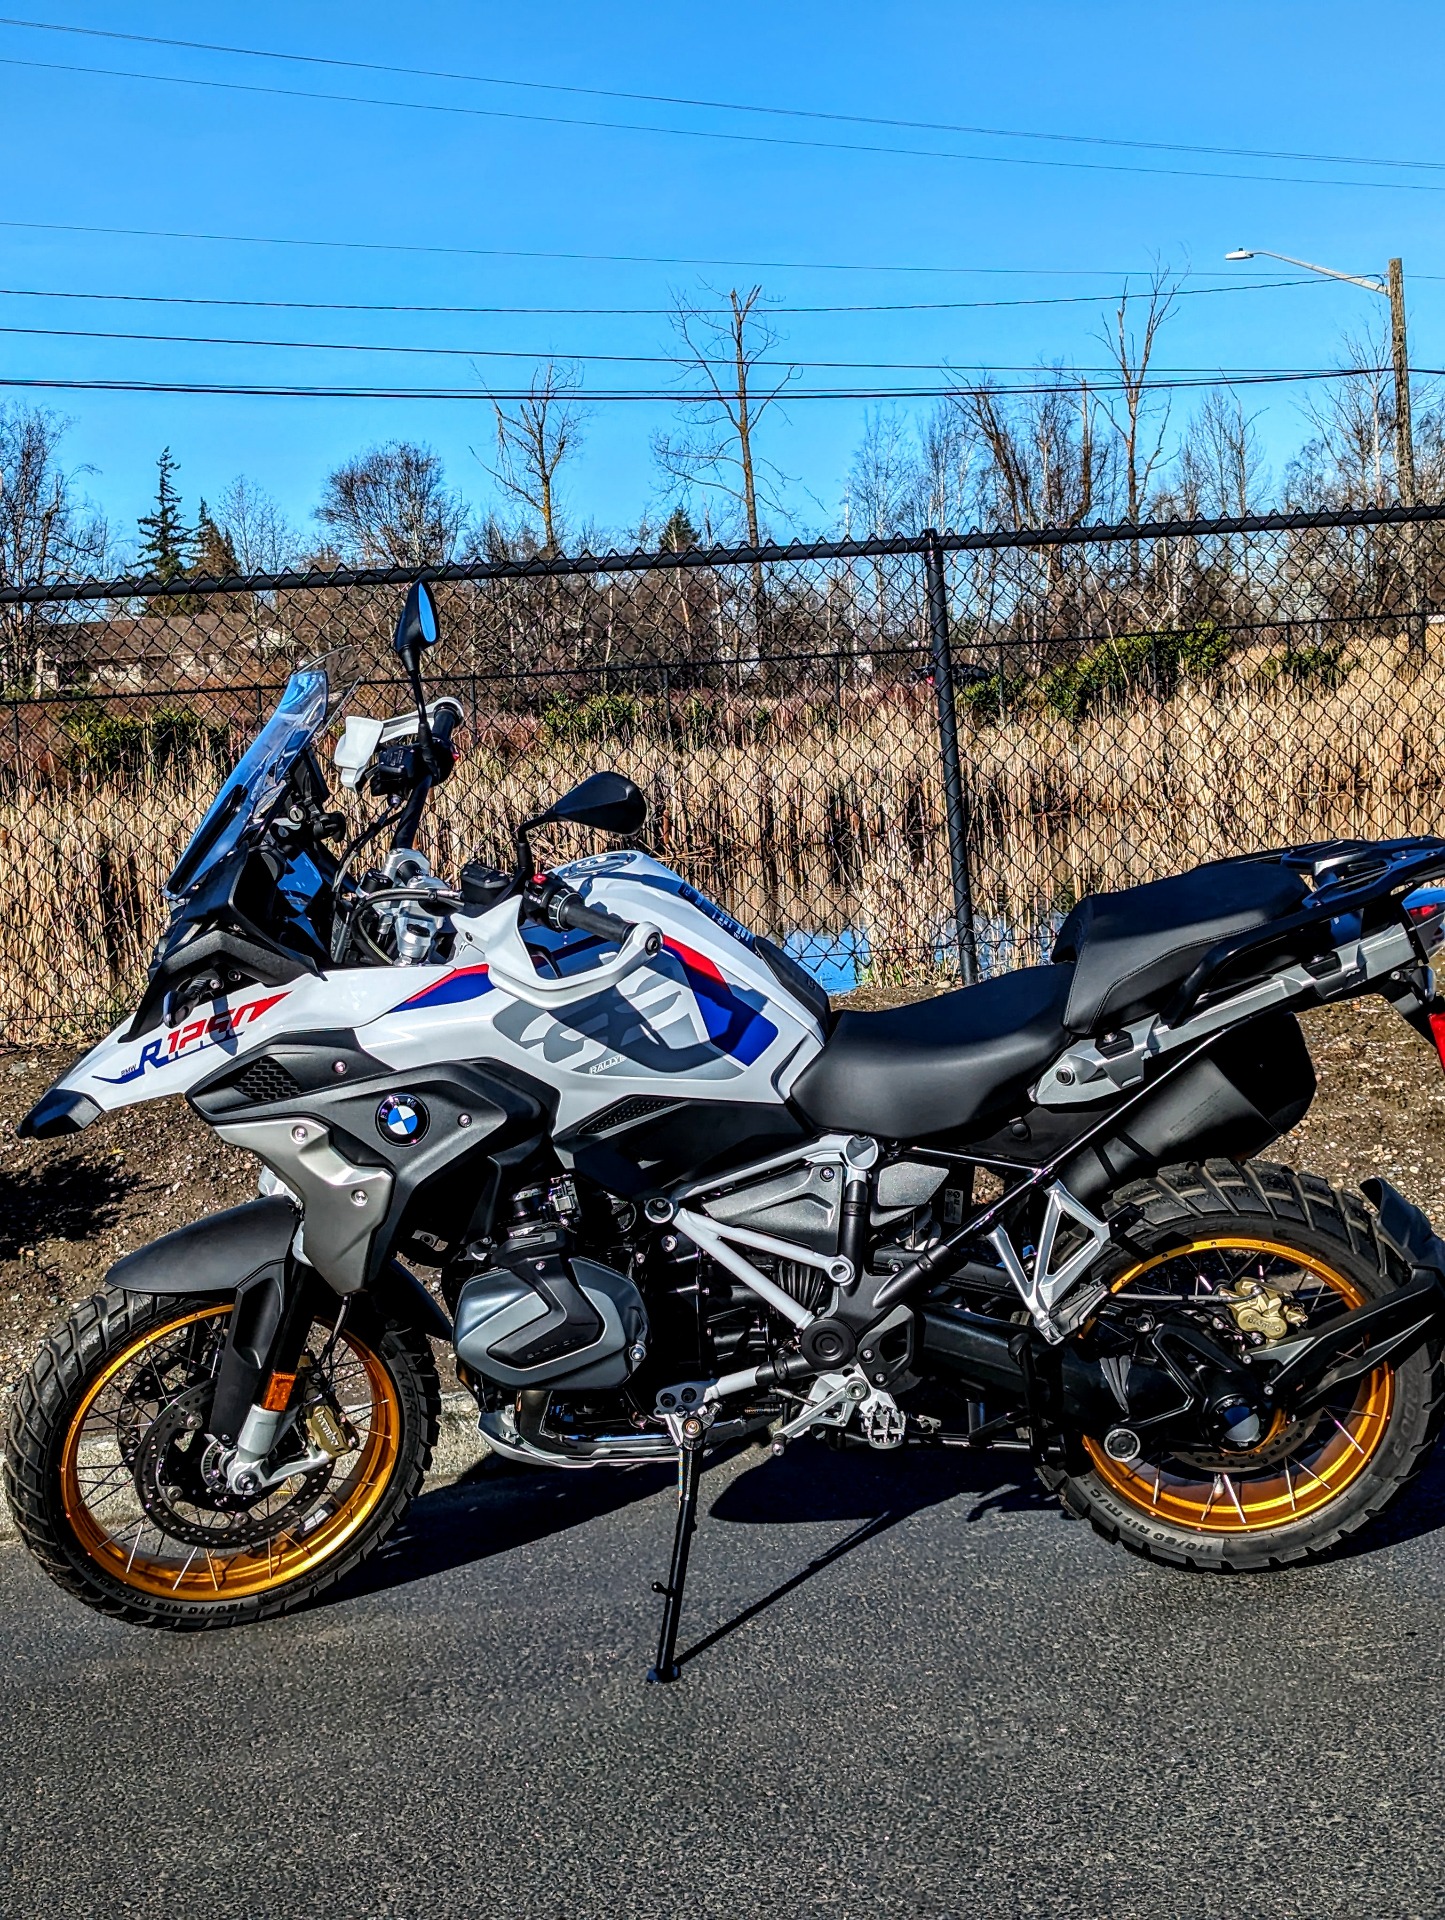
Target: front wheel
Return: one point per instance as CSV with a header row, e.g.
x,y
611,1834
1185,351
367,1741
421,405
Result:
x,y
114,1487
1293,1252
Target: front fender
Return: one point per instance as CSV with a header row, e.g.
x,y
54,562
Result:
x,y
228,1251
219,1254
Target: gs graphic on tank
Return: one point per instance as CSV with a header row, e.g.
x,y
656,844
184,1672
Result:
x,y
665,1199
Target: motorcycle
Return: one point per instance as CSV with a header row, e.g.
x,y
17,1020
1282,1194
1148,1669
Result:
x,y
672,1203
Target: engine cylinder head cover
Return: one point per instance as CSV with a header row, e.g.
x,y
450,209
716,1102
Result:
x,y
572,1324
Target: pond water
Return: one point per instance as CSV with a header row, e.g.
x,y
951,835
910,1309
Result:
x,y
841,961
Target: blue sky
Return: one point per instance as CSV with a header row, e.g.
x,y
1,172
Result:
x,y
93,150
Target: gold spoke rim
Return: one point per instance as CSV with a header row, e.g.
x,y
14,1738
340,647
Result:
x,y
141,1556
1335,1448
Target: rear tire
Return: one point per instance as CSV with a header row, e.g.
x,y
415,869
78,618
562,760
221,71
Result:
x,y
1306,1488
76,1454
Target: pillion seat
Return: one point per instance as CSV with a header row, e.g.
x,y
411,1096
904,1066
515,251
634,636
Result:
x,y
939,1064
1130,949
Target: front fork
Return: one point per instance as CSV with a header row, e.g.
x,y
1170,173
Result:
x,y
260,1362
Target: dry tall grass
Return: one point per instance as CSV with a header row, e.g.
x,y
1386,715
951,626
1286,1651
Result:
x,y
798,814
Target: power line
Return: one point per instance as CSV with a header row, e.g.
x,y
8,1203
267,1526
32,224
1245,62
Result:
x,y
610,259
712,133
678,396
365,306
725,106
534,353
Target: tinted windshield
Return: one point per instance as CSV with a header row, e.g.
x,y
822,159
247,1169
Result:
x,y
260,774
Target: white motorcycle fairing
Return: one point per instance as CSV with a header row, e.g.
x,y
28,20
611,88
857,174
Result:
x,y
706,1018
680,1059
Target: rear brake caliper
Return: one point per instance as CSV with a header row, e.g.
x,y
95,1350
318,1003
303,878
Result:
x,y
1261,1310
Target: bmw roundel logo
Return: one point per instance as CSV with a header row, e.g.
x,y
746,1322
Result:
x,y
401,1118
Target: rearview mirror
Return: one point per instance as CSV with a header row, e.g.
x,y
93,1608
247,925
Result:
x,y
607,801
418,626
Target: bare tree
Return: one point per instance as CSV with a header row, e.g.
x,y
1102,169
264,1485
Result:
x,y
1221,467
946,474
391,507
727,347
533,440
46,532
1139,421
887,487
1039,464
262,538
1346,462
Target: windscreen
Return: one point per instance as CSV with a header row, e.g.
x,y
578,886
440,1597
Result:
x,y
259,776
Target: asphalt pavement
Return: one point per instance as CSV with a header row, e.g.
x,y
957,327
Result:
x,y
910,1688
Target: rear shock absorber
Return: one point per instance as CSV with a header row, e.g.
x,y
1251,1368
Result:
x,y
859,1158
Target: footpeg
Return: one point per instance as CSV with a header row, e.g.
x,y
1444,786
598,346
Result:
x,y
884,1424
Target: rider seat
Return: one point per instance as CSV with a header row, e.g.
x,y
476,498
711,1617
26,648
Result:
x,y
939,1064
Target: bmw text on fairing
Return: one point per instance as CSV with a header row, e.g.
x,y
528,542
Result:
x,y
671,1202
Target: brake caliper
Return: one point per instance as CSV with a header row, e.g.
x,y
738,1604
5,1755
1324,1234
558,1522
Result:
x,y
1262,1310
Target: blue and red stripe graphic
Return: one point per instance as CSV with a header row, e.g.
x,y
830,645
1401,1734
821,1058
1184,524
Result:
x,y
731,1014
462,983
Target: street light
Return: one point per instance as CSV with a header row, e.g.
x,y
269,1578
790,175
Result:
x,y
1392,287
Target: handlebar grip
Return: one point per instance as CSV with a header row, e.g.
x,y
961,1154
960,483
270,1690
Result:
x,y
574,913
448,717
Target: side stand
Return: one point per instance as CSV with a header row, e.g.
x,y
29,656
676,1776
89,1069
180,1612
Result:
x,y
689,1460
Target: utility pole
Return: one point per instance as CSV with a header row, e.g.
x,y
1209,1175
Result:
x,y
1393,289
1404,435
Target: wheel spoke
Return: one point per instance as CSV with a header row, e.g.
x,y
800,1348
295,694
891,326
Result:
x,y
1292,1471
1349,1436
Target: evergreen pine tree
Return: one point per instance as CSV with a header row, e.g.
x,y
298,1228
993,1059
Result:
x,y
166,540
215,556
679,533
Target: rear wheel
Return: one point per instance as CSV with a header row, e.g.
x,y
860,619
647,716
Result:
x,y
123,1499
1286,1251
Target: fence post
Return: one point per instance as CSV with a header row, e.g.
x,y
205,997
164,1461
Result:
x,y
941,650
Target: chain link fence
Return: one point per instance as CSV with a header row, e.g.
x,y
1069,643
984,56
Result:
x,y
902,759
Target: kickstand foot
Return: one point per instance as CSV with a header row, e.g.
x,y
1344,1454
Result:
x,y
666,1667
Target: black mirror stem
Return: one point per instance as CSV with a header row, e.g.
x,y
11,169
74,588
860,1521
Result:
x,y
423,723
